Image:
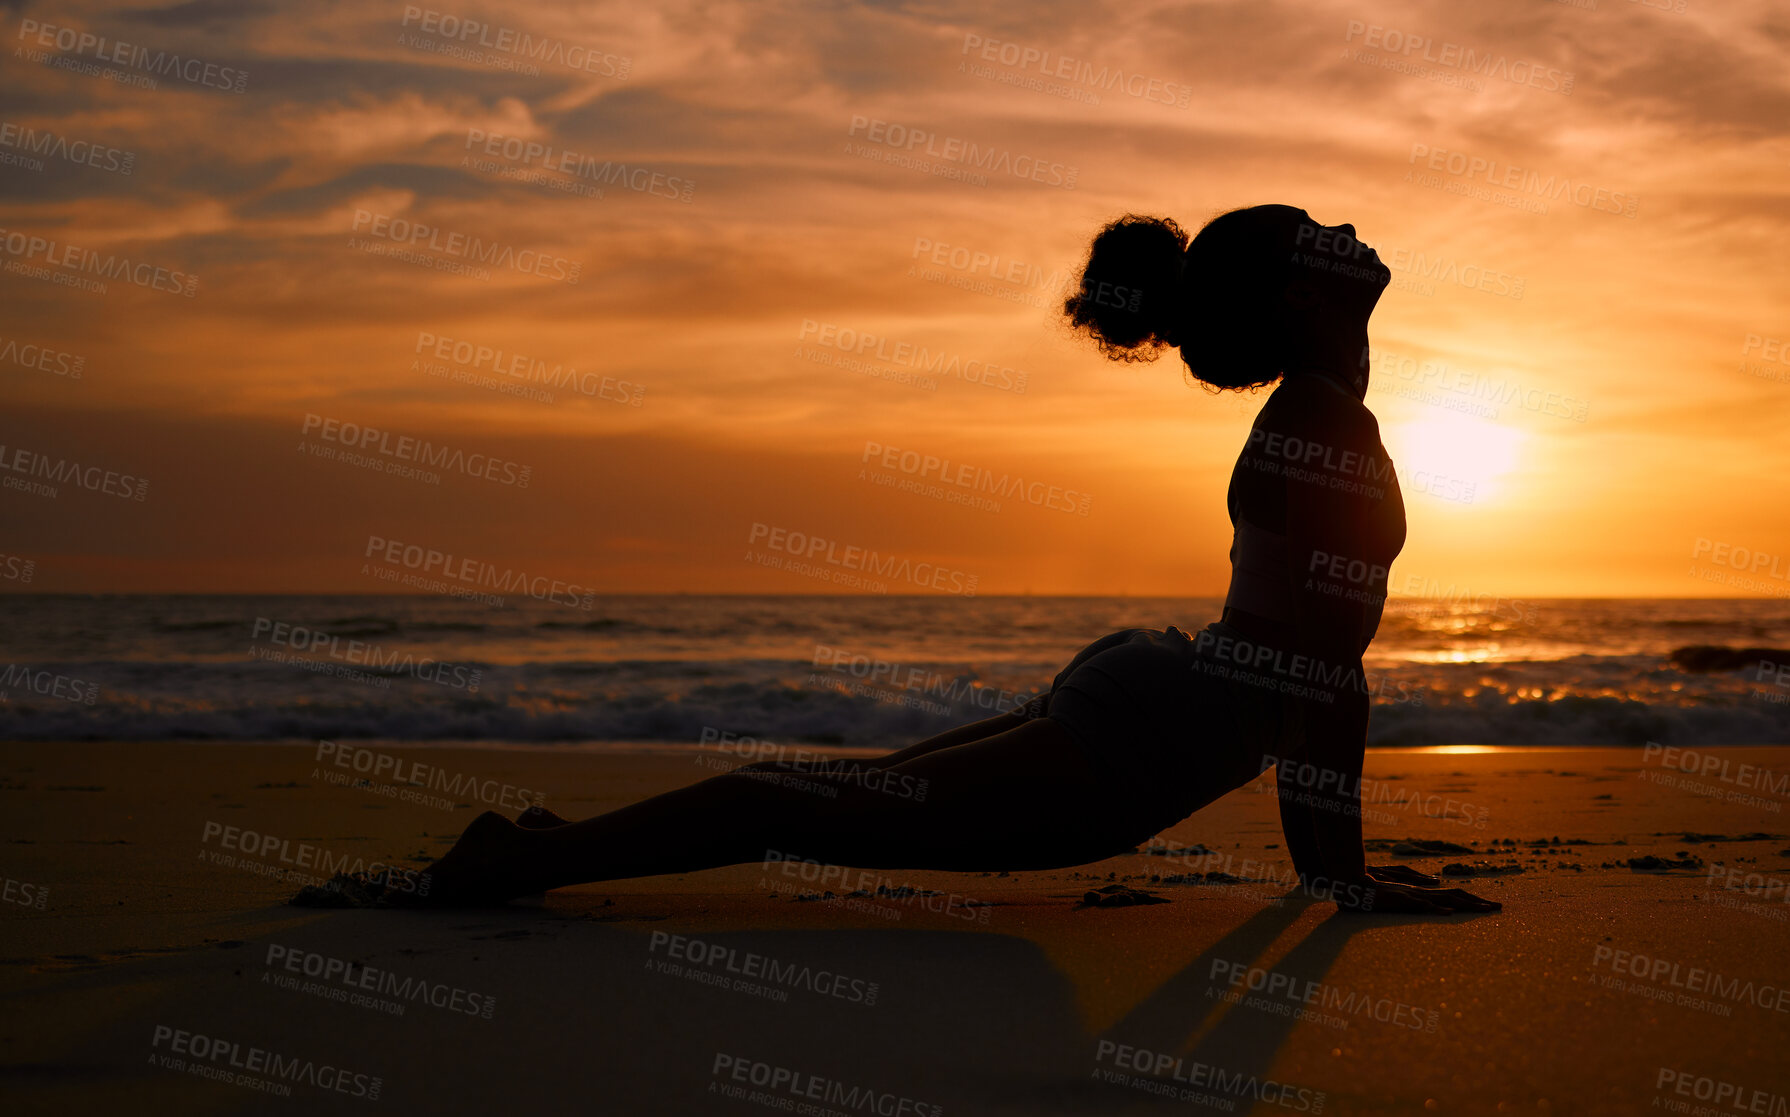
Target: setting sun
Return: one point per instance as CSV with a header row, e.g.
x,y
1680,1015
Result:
x,y
1454,456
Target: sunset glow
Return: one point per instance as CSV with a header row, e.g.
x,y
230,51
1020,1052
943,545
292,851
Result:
x,y
791,266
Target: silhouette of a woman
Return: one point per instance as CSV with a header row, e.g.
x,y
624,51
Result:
x,y
1144,726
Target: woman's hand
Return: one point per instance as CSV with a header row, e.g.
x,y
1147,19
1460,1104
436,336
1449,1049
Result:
x,y
1377,896
1402,874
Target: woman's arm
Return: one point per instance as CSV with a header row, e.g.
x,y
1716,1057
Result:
x,y
1319,791
1334,491
1328,794
1339,519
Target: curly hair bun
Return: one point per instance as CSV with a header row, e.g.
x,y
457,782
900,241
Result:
x,y
1218,298
1130,297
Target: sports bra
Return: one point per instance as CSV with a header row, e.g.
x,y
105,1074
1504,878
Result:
x,y
1261,586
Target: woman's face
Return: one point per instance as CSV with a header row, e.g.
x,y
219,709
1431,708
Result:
x,y
1330,257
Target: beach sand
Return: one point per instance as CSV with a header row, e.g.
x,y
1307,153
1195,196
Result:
x,y
149,954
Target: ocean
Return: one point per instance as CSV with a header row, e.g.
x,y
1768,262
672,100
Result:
x,y
857,671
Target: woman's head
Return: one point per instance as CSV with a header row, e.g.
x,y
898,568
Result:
x,y
1254,290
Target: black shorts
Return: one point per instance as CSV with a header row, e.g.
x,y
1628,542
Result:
x,y
1170,728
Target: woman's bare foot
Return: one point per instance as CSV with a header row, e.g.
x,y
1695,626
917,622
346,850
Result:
x,y
488,865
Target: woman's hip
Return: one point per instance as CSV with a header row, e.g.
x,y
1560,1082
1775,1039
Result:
x,y
1158,721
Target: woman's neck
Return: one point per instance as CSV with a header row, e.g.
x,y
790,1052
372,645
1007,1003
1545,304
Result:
x,y
1342,360
1343,381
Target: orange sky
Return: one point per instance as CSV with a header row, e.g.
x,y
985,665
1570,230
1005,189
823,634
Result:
x,y
1617,429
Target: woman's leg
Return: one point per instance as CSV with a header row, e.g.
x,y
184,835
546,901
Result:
x,y
964,734
950,738
1027,797
540,818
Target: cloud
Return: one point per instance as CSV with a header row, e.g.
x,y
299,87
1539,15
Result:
x,y
796,214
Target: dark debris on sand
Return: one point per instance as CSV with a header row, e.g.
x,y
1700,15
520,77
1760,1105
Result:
x,y
1119,896
1652,864
342,891
346,890
1480,869
1216,876
1199,850
1419,847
